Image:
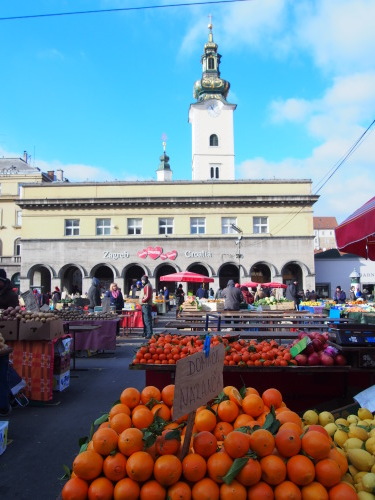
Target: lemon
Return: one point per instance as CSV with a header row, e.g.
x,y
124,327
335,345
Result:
x,y
365,495
310,417
326,417
331,428
368,481
353,471
352,419
347,478
342,421
340,437
370,444
364,413
353,444
357,432
358,477
361,459
371,433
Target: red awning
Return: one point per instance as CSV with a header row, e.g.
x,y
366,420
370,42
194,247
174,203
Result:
x,y
187,276
357,233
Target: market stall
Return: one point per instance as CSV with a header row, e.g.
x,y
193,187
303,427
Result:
x,y
102,337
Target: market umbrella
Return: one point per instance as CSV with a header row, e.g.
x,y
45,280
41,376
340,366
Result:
x,y
187,276
357,233
251,284
275,284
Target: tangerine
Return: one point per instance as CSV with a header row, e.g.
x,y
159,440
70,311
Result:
x,y
75,489
288,416
328,472
152,490
105,441
130,397
287,491
316,445
119,408
194,467
237,444
222,429
150,392
253,405
130,441
273,469
260,491
179,491
315,491
167,394
228,411
262,442
142,418
205,489
342,491
204,443
233,491
167,470
100,489
250,473
140,466
114,467
300,470
126,489
120,422
205,420
272,397
218,465
88,465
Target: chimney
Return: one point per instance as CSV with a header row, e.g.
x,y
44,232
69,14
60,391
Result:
x,y
25,156
51,174
59,175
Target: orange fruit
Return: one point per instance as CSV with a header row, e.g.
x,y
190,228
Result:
x,y
328,472
101,488
300,470
288,442
167,443
243,420
167,470
289,416
237,444
114,466
205,420
222,429
340,458
126,488
119,408
105,441
194,467
253,405
262,442
150,392
218,465
233,491
228,411
291,425
316,445
130,441
167,394
88,465
130,397
251,390
179,491
315,491
250,474
235,396
161,410
342,491
142,418
287,491
120,422
152,490
272,397
273,469
260,491
140,466
204,443
75,489
205,489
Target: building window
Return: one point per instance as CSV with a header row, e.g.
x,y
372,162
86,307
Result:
x,y
211,63
214,140
18,218
214,171
260,225
103,227
226,225
134,226
17,247
19,187
71,227
165,226
197,225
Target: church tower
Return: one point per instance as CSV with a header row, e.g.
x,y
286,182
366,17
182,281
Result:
x,y
211,118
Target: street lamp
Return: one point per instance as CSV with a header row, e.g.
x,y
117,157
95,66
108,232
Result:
x,y
238,242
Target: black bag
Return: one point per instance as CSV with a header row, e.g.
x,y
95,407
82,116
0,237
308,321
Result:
x,y
16,385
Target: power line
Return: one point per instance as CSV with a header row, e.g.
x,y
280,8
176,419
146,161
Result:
x,y
122,9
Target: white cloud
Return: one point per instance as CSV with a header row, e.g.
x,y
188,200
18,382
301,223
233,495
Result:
x,y
51,54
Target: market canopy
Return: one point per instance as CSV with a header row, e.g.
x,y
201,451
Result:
x,y
275,284
187,276
251,284
356,234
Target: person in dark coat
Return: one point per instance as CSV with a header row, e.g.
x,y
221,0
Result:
x,y
248,297
233,297
94,294
116,298
201,293
8,298
292,293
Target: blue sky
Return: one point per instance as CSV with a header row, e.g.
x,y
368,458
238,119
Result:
x,y
93,94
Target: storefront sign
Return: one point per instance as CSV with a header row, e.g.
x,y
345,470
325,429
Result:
x,y
202,254
115,255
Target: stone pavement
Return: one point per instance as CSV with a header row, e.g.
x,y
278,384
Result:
x,y
44,437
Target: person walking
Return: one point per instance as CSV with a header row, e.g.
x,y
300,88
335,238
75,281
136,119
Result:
x,y
145,299
233,297
180,298
292,293
166,298
94,295
116,298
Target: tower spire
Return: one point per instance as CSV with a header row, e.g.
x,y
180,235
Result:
x,y
211,86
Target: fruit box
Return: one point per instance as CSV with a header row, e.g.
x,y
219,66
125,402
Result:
x,y
61,381
37,330
9,329
3,435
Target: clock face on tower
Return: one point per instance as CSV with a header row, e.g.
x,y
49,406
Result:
x,y
214,107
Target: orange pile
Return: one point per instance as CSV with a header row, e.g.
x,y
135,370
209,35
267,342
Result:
x,y
230,455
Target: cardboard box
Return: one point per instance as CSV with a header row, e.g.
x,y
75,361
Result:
x,y
61,364
61,381
3,435
9,329
36,330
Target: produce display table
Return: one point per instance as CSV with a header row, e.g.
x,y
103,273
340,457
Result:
x,y
102,338
33,361
131,319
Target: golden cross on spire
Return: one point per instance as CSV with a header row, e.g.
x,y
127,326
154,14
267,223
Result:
x,y
210,21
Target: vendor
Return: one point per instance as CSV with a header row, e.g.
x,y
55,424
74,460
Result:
x,y
8,298
116,299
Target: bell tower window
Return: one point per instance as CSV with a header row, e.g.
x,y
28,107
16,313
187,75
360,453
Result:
x,y
214,141
214,172
211,63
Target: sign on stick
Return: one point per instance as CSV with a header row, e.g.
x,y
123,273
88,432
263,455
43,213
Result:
x,y
198,380
30,301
